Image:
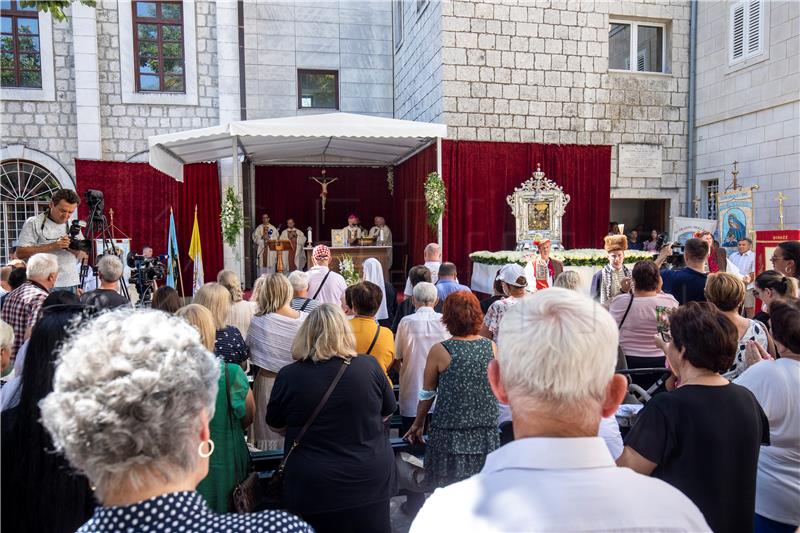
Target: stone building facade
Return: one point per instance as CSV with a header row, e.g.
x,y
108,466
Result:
x,y
544,71
748,110
539,72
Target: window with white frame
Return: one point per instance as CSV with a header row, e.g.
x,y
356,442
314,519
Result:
x,y
637,46
25,191
397,21
746,29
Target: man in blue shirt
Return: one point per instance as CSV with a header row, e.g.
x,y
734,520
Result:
x,y
686,284
448,281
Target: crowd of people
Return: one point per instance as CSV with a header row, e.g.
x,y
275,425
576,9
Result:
x,y
122,419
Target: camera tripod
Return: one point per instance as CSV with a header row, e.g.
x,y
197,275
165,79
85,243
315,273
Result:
x,y
97,228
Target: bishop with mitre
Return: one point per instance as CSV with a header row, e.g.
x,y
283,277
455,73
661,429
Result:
x,y
294,259
267,259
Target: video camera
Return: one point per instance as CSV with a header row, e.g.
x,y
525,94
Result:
x,y
145,269
675,259
76,244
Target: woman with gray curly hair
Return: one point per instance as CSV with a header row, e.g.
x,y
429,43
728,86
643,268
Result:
x,y
132,397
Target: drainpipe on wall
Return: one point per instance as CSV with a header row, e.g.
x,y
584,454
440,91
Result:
x,y
691,182
242,84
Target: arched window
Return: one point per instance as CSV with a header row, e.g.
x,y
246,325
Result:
x,y
25,191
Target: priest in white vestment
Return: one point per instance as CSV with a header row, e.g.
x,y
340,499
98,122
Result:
x,y
383,236
353,230
265,258
294,259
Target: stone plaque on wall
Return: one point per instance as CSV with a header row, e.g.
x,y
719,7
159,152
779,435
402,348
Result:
x,y
639,161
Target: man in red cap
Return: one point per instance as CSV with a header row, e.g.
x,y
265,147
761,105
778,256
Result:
x,y
324,285
353,230
546,268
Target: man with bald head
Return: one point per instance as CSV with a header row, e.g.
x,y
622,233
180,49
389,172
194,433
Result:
x,y
433,260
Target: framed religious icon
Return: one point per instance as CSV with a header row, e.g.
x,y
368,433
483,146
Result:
x,y
337,238
735,210
538,206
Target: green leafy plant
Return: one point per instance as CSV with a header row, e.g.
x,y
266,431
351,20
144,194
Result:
x,y
578,257
435,198
54,7
231,217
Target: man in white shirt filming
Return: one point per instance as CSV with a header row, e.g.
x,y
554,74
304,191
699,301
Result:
x,y
49,233
557,475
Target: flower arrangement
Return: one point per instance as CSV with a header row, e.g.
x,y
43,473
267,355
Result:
x,y
348,270
435,198
577,257
232,217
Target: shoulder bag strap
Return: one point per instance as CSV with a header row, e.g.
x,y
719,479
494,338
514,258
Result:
x,y
630,303
305,304
321,285
374,340
316,412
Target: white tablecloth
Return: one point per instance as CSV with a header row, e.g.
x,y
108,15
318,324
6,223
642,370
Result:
x,y
483,276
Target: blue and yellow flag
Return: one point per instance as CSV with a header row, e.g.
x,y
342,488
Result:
x,y
172,251
196,255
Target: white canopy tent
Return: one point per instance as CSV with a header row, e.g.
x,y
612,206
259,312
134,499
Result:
x,y
330,139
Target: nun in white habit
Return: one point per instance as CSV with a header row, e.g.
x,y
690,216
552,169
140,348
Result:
x,y
373,272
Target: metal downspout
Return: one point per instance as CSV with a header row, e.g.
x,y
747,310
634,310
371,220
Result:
x,y
691,181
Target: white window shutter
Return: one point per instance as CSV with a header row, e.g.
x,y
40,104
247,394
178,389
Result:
x,y
737,32
754,27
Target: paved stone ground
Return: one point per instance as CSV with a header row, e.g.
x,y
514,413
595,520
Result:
x,y
400,522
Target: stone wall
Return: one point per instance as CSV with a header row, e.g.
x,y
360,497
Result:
x,y
125,127
538,72
418,63
48,127
351,36
750,112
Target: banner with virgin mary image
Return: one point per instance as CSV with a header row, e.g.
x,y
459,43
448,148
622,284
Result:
x,y
735,210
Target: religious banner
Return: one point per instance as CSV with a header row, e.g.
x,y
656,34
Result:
x,y
684,228
735,210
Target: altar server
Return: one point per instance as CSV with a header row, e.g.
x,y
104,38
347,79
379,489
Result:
x,y
267,259
607,283
296,259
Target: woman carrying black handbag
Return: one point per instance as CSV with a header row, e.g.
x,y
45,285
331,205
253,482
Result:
x,y
339,474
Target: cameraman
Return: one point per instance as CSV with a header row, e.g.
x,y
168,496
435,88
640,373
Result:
x,y
49,233
686,284
109,270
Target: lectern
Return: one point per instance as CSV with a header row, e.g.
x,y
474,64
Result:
x,y
280,247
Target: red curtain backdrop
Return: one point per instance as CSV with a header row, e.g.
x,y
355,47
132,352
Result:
x,y
288,192
479,176
141,198
411,236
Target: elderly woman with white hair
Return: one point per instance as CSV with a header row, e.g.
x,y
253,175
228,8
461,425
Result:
x,y
555,368
340,471
241,311
300,300
132,397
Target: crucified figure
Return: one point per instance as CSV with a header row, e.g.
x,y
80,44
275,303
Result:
x,y
324,182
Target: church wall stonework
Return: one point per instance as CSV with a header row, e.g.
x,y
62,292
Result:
x,y
538,72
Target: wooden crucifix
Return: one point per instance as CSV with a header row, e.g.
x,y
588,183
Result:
x,y
323,181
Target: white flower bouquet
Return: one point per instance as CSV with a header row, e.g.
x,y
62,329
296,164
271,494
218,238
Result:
x,y
231,217
348,270
435,198
577,257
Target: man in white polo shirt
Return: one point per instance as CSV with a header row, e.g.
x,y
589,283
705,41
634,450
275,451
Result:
x,y
557,475
745,260
324,285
